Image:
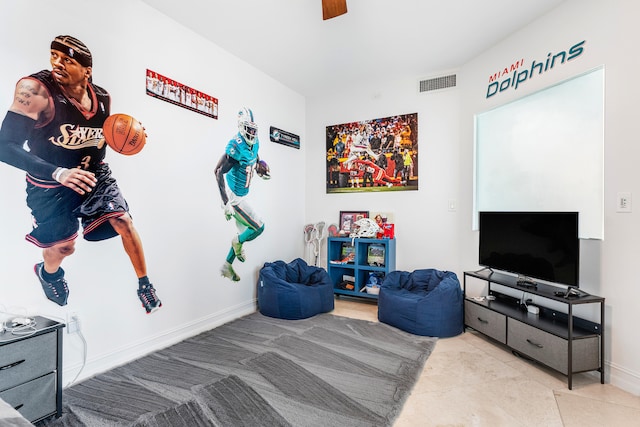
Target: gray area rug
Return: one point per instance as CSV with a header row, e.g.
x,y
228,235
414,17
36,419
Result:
x,y
259,371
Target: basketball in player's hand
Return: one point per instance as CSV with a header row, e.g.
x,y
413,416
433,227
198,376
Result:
x,y
124,134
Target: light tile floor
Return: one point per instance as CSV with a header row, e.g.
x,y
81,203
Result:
x,y
471,381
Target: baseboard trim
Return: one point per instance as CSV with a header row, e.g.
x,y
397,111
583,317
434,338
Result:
x,y
624,379
120,356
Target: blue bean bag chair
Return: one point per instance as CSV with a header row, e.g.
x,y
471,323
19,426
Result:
x,y
294,291
424,302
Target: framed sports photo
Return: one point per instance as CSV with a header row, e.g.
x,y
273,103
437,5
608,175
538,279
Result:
x,y
348,219
372,156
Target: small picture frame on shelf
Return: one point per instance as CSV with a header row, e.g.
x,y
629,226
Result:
x,y
348,252
348,219
375,254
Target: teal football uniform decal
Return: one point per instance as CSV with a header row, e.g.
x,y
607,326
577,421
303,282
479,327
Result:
x,y
239,177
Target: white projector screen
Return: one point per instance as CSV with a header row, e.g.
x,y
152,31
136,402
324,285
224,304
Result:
x,y
544,152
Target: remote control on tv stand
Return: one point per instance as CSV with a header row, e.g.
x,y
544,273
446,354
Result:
x,y
526,284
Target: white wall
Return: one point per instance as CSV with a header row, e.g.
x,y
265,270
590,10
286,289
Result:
x,y
425,228
430,236
170,185
608,266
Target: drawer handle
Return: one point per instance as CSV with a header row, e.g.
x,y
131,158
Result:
x,y
17,408
481,320
4,368
535,344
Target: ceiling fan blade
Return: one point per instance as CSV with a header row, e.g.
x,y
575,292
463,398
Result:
x,y
333,8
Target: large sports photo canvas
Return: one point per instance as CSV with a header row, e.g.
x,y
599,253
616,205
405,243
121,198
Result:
x,y
373,155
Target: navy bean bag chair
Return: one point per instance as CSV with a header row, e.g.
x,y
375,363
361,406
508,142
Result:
x,y
294,291
424,302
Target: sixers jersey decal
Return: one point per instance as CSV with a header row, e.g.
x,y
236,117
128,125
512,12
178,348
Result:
x,y
71,136
77,137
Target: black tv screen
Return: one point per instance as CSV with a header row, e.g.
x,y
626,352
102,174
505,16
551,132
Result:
x,y
537,245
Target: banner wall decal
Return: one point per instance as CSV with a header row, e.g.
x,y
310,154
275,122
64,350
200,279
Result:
x,y
174,92
515,74
283,137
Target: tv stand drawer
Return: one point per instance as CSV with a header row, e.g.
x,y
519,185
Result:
x,y
552,350
486,321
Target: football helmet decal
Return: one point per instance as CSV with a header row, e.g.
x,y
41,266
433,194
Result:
x,y
247,126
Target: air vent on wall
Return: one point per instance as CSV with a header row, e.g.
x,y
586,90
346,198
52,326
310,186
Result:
x,y
438,83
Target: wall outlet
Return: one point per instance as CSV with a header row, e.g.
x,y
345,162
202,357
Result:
x,y
73,322
624,202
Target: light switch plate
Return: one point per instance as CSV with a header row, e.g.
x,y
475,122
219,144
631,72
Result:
x,y
623,202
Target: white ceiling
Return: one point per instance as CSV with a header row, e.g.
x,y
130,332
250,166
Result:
x,y
376,39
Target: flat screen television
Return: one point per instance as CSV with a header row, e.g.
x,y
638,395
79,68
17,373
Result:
x,y
535,245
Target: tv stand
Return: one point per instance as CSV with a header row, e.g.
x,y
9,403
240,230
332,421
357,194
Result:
x,y
557,339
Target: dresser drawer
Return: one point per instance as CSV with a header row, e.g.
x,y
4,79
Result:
x,y
485,321
35,399
27,359
551,350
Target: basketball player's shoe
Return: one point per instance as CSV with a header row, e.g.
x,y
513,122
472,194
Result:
x,y
237,249
149,299
55,290
228,272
